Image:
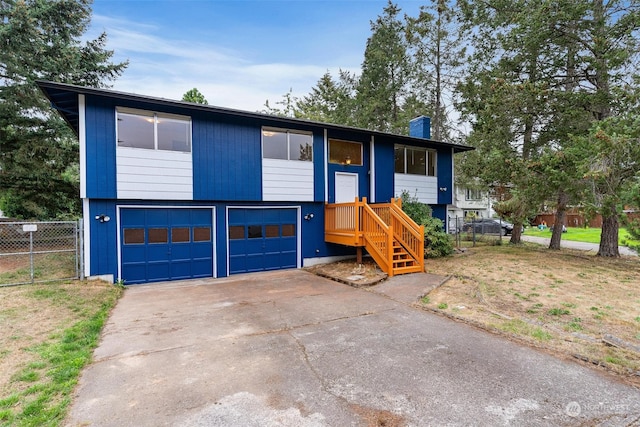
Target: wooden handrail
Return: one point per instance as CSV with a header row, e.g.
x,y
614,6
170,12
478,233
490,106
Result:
x,y
375,227
378,237
407,232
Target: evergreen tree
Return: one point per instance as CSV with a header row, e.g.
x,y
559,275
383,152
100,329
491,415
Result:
x,y
540,75
330,101
194,95
288,103
386,73
38,152
436,43
506,97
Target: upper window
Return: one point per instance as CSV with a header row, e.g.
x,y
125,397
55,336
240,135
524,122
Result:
x,y
415,160
345,152
287,145
473,194
153,131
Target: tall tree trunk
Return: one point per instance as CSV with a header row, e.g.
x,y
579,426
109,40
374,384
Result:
x,y
561,214
438,119
516,234
609,236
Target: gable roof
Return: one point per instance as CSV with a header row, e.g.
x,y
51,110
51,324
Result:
x,y
64,98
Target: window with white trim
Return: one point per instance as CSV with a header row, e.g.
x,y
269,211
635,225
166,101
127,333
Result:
x,y
414,160
473,194
153,131
287,144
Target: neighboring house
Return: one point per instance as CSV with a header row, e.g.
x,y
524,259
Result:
x,y
175,190
470,203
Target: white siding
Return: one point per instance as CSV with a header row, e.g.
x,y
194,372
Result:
x,y
154,174
287,180
425,188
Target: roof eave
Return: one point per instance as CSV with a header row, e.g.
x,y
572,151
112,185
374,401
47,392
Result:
x,y
48,86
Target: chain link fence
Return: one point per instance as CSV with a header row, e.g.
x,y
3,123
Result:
x,y
33,252
478,230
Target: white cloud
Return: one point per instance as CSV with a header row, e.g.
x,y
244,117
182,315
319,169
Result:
x,y
167,67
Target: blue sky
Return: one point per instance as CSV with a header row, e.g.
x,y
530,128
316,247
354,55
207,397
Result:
x,y
238,53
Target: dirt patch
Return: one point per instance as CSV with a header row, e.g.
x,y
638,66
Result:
x,y
575,305
350,272
378,418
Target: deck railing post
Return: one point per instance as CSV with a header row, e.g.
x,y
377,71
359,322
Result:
x,y
357,226
390,251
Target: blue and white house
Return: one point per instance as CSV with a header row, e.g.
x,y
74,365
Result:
x,y
174,190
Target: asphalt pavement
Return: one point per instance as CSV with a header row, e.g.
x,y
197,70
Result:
x,y
582,246
289,348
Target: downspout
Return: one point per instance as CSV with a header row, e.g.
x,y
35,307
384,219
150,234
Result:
x,y
372,171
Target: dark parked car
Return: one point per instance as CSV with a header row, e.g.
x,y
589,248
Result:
x,y
488,226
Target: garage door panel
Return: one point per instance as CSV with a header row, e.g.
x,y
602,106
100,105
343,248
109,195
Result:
x,y
262,239
159,244
157,217
135,273
237,264
181,251
157,271
181,270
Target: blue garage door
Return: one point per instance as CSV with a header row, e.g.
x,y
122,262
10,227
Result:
x,y
262,239
165,244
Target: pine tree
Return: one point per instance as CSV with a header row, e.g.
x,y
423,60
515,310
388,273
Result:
x,y
38,152
541,74
194,95
386,72
330,101
436,43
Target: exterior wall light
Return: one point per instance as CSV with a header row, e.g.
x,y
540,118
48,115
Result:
x,y
308,216
103,218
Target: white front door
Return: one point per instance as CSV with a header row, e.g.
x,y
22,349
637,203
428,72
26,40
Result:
x,y
346,187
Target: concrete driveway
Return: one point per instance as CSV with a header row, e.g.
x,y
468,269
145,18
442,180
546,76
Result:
x,y
292,349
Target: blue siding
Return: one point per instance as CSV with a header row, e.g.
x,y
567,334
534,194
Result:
x,y
103,244
227,161
384,169
445,176
362,171
440,212
100,148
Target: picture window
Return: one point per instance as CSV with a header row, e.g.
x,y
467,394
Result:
x,y
153,131
287,145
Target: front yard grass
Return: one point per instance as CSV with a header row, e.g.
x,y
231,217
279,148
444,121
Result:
x,y
47,335
580,234
564,301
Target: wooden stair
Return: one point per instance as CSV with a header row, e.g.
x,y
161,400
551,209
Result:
x,y
403,262
396,243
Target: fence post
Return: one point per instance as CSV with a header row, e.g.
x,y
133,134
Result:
x,y
80,248
31,255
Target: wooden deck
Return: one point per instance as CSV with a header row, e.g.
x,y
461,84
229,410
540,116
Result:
x,y
392,239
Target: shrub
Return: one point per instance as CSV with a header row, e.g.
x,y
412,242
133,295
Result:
x,y
437,243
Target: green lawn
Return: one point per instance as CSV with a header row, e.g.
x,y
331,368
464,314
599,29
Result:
x,y
589,235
